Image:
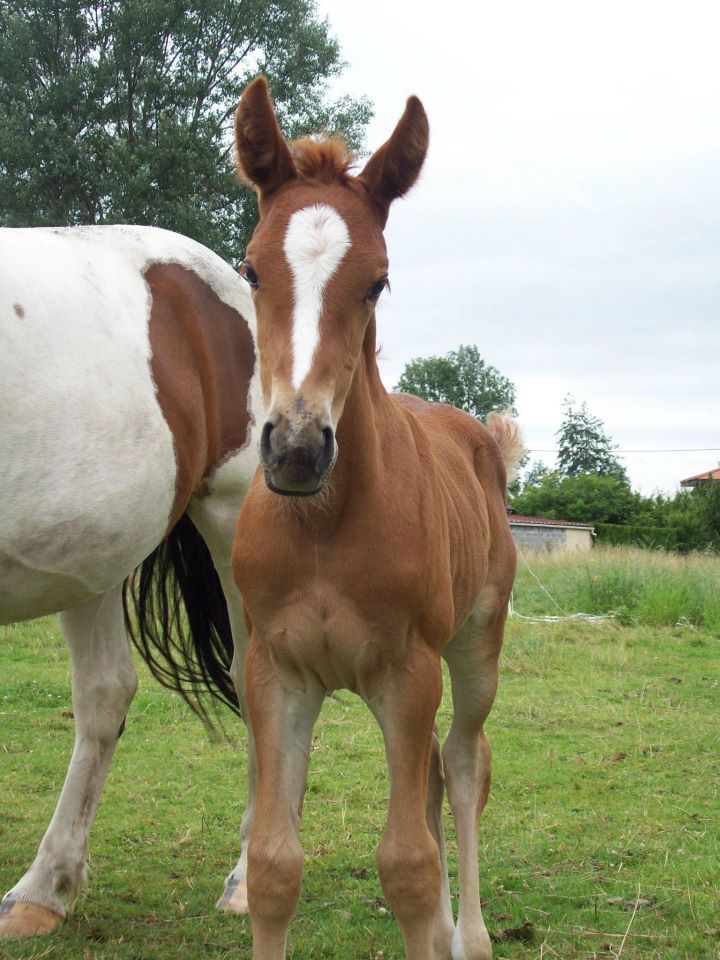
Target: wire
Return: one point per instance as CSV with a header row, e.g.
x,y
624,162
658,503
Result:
x,y
678,450
587,617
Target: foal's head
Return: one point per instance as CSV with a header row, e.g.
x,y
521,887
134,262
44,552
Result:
x,y
317,265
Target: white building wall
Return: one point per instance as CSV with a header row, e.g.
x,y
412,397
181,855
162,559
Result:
x,y
551,537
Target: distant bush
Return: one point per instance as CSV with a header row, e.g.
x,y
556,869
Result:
x,y
622,534
695,518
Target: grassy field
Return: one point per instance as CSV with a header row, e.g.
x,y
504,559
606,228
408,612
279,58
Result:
x,y
601,837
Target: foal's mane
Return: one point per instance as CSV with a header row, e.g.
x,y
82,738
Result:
x,y
323,161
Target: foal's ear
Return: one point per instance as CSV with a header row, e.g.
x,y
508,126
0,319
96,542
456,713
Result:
x,y
394,168
263,156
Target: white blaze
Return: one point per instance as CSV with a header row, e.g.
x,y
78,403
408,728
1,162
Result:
x,y
316,241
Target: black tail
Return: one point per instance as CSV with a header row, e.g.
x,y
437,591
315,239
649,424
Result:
x,y
177,618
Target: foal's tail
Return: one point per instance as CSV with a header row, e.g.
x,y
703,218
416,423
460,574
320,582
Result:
x,y
177,618
506,433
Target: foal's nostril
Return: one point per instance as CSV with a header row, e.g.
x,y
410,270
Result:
x,y
265,448
328,451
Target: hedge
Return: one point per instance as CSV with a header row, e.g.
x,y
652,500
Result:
x,y
621,533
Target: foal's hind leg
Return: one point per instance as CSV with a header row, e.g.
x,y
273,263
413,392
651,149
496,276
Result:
x,y
103,684
472,656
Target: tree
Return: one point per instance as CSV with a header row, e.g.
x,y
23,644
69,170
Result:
x,y
120,110
589,485
461,378
535,473
584,447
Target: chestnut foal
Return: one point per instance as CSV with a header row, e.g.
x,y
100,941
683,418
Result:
x,y
391,550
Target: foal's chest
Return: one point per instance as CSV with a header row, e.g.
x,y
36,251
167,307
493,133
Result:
x,y
337,614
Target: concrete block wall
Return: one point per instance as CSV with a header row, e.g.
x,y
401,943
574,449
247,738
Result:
x,y
539,538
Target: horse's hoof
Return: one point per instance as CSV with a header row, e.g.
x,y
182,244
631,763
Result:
x,y
234,898
20,919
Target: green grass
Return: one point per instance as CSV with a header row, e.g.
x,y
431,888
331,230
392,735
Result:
x,y
606,777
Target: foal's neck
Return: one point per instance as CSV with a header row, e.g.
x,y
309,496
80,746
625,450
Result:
x,y
361,427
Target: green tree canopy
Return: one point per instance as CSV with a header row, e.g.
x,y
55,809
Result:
x,y
583,446
461,378
586,498
120,110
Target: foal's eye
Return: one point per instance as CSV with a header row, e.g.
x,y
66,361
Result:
x,y
373,294
250,275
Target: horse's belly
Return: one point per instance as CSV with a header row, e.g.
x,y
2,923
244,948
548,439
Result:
x,y
27,593
77,517
67,539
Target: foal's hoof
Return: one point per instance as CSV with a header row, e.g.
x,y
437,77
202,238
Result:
x,y
473,945
19,919
234,898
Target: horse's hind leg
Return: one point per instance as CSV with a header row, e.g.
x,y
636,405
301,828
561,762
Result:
x,y
103,684
444,926
234,898
472,656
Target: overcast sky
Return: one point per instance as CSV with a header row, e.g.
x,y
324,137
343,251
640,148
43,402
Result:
x,y
567,220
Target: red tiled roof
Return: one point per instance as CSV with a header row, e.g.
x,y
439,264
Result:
x,y
701,478
544,521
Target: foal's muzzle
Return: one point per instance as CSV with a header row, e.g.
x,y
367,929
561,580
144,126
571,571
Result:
x,y
297,462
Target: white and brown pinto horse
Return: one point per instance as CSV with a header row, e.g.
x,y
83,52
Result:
x,y
391,551
128,398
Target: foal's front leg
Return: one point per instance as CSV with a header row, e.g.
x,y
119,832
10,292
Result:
x,y
283,709
103,685
405,703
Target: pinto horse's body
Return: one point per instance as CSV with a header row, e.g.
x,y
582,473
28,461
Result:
x,y
392,550
128,398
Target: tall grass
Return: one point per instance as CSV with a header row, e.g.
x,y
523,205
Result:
x,y
638,586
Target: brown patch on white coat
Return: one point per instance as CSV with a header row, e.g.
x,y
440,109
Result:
x,y
408,558
203,359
